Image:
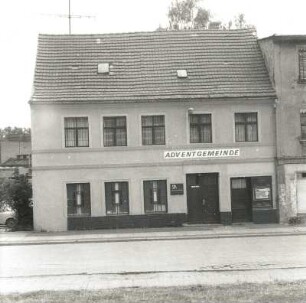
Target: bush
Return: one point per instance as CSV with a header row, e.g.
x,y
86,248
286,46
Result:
x,y
17,193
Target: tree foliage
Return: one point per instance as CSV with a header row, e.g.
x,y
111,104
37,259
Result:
x,y
14,132
16,192
186,14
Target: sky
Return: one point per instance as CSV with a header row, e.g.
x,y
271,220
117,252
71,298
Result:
x,y
22,20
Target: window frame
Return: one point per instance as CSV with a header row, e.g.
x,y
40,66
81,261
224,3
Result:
x,y
76,129
245,123
159,194
88,214
115,128
199,127
302,64
153,127
117,211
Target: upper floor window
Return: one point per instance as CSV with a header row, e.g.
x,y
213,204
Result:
x,y
78,199
114,131
153,130
302,65
116,198
76,132
246,129
303,126
200,128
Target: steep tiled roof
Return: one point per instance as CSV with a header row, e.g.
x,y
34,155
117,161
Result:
x,y
144,66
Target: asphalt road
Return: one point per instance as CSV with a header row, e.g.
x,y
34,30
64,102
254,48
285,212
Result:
x,y
24,265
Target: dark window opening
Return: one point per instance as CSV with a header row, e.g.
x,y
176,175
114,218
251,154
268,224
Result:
x,y
76,132
114,131
78,199
155,196
153,130
200,128
246,127
117,198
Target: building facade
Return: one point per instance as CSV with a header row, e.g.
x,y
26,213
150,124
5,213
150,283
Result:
x,y
285,58
152,129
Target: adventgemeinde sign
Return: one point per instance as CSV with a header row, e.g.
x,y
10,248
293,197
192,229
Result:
x,y
202,153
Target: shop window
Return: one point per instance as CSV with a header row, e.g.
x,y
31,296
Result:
x,y
200,128
153,130
155,196
76,132
303,126
117,198
114,131
78,199
246,127
302,65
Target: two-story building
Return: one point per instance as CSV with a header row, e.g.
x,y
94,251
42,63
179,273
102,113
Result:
x,y
152,129
285,58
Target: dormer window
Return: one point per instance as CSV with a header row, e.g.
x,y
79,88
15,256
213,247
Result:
x,y
302,65
182,73
103,68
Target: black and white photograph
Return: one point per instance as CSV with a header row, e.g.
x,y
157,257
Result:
x,y
153,151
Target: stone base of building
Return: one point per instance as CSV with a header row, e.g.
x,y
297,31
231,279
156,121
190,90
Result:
x,y
131,221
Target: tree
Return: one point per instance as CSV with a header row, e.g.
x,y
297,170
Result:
x,y
16,192
186,14
16,132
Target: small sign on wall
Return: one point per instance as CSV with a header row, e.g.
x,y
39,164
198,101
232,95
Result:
x,y
177,189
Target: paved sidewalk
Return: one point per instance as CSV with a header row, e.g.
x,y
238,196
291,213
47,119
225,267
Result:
x,y
150,234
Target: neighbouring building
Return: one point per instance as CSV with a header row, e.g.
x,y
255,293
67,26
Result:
x,y
152,129
15,153
285,58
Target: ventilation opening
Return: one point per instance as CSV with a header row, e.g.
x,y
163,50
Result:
x,y
103,68
182,73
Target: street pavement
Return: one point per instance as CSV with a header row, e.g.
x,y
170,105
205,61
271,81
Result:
x,y
151,257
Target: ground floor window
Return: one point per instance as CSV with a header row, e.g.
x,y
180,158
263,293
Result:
x,y
155,196
117,198
78,199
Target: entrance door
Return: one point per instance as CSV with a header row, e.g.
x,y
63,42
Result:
x,y
203,198
241,190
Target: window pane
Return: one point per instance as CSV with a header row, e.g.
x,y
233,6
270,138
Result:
x,y
147,120
239,183
251,132
147,136
83,137
194,119
205,118
108,137
120,121
70,122
121,137
158,120
239,118
109,122
206,134
252,117
194,134
82,122
70,138
240,132
159,133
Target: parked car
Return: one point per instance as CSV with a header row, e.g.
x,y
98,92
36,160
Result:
x,y
8,216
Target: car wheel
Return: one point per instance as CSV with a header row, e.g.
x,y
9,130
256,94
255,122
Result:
x,y
10,223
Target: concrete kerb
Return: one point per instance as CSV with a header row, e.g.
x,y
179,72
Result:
x,y
162,234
